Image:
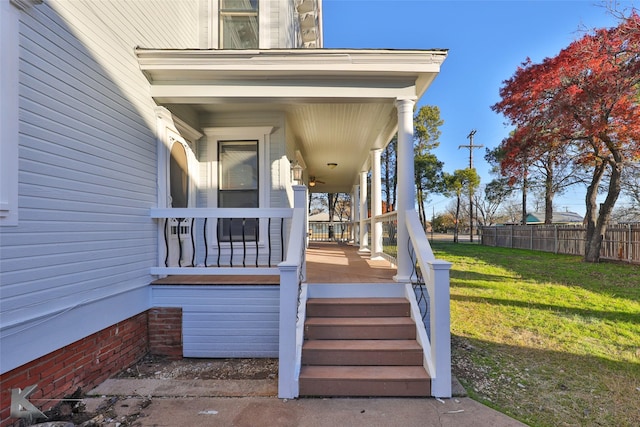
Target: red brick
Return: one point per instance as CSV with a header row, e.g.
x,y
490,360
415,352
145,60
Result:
x,y
87,362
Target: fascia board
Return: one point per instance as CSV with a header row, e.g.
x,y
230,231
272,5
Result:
x,y
310,61
202,93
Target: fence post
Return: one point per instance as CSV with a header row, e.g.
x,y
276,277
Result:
x,y
511,237
630,244
531,238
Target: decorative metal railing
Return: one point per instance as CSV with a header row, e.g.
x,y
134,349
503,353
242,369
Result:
x,y
212,241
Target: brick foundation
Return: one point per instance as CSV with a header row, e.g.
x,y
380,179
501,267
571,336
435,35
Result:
x,y
165,332
91,360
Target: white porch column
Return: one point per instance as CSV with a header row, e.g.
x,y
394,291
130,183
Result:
x,y
406,184
376,204
364,244
301,200
355,215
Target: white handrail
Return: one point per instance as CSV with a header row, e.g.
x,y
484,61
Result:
x,y
436,277
221,212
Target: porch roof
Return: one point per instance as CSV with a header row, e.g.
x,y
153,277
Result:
x,y
339,103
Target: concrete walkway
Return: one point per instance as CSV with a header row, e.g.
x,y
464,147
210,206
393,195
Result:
x,y
215,403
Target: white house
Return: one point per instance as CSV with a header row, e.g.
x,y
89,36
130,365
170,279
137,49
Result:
x,y
142,140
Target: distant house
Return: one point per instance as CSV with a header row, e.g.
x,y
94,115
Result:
x,y
559,218
322,228
150,140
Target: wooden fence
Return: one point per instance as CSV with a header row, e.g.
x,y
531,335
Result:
x,y
621,241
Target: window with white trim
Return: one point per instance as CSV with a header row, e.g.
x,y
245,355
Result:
x,y
238,24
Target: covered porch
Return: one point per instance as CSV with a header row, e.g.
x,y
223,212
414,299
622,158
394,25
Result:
x,y
234,125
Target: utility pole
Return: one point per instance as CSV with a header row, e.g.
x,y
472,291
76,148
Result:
x,y
471,147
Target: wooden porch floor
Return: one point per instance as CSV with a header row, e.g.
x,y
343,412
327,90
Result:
x,y
340,263
326,263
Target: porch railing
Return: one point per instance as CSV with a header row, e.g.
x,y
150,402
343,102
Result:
x,y
284,229
321,231
205,241
430,283
389,235
432,276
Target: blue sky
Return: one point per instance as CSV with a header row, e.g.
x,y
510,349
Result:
x,y
487,40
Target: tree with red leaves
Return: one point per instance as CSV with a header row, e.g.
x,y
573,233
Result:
x,y
583,101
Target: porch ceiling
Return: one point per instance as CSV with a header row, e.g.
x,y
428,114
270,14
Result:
x,y
340,104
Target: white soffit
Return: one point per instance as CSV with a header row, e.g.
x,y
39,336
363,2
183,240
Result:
x,y
340,104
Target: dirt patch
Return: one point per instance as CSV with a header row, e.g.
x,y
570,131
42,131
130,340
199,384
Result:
x,y
73,412
204,369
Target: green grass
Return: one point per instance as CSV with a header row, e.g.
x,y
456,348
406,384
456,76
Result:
x,y
546,338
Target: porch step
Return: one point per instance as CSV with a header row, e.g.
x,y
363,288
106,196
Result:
x,y
400,381
362,352
358,307
367,328
361,347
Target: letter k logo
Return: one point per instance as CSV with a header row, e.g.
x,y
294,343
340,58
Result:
x,y
21,407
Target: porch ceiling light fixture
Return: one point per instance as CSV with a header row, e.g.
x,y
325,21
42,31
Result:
x,y
312,181
332,165
296,173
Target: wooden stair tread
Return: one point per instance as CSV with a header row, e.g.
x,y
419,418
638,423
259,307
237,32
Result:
x,y
384,373
358,301
371,345
361,347
359,321
358,307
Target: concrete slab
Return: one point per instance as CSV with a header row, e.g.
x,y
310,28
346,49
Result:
x,y
257,411
201,402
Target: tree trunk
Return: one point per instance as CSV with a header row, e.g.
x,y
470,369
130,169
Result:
x,y
455,228
548,197
598,219
525,188
387,181
419,202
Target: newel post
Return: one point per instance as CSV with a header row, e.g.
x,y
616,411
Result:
x,y
440,317
292,271
287,381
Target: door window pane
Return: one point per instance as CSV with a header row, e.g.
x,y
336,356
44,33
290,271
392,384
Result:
x,y
238,188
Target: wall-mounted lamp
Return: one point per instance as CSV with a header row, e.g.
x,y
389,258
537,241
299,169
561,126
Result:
x,y
332,165
296,173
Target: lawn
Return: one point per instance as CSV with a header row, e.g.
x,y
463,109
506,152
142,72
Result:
x,y
546,338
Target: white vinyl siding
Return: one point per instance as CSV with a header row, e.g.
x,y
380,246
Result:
x,y
224,321
81,252
284,29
